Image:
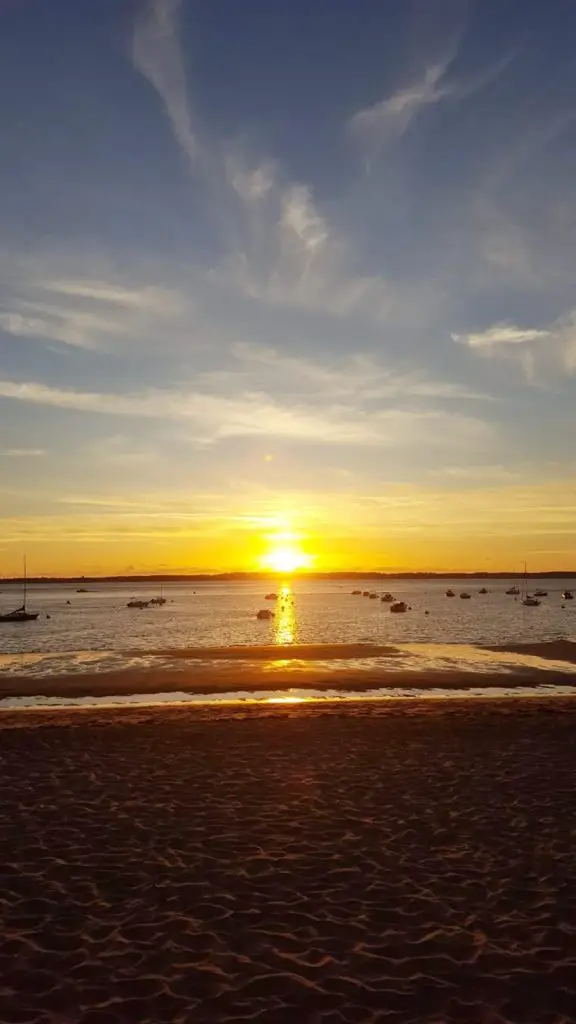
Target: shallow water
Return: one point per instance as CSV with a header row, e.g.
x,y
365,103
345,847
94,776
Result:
x,y
224,614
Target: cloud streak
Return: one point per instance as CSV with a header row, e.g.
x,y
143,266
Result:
x,y
156,53
280,249
210,418
541,351
501,334
361,377
90,314
391,117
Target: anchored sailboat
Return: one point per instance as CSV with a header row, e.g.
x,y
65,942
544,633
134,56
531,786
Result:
x,y
20,614
527,599
159,600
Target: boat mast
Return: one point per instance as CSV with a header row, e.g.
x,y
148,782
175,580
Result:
x,y
24,603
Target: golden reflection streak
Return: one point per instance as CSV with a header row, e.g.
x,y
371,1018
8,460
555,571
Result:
x,y
286,700
285,620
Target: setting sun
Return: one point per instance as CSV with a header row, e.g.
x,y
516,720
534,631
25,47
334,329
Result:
x,y
285,555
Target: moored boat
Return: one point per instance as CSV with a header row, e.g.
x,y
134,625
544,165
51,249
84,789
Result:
x,y
527,599
399,606
20,614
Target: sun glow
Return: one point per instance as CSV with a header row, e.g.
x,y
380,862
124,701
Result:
x,y
285,555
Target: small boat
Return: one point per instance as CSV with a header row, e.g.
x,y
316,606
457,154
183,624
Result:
x,y
540,593
135,603
356,593
20,614
271,596
465,596
373,596
450,593
158,600
387,597
527,599
399,606
514,591
483,590
365,593
81,590
567,595
265,613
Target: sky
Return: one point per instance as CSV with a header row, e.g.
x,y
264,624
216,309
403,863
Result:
x,y
287,275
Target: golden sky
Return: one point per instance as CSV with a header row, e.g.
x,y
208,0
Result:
x,y
408,528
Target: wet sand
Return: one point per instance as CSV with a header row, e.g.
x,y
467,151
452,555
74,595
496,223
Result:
x,y
302,863
557,650
353,667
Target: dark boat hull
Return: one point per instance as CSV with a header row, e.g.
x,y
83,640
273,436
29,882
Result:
x,y
19,617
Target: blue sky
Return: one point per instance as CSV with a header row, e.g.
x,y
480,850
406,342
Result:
x,y
287,262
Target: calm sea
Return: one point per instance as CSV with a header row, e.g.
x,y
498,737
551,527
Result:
x,y
96,630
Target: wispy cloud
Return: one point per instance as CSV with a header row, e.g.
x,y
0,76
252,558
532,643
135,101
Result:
x,y
501,334
391,117
89,314
541,351
211,417
148,297
361,376
157,54
22,453
279,247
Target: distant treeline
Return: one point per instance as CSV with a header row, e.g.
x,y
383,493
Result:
x,y
234,577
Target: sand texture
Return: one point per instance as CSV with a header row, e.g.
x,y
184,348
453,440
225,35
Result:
x,y
401,863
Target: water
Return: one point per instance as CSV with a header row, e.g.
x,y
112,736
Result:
x,y
206,644
320,612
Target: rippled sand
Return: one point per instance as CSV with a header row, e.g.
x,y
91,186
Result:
x,y
304,864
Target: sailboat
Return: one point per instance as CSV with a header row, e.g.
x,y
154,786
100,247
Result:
x,y
527,599
20,614
158,600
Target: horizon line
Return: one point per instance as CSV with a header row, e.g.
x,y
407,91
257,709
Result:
x,y
239,576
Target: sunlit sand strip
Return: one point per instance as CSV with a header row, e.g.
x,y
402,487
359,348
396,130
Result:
x,y
294,696
553,656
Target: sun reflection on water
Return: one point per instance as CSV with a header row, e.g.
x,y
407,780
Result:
x,y
285,621
286,700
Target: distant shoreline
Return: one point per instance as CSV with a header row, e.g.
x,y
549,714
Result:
x,y
254,577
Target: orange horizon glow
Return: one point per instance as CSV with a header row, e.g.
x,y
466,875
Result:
x,y
409,529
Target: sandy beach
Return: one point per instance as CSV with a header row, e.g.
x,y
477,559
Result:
x,y
302,863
